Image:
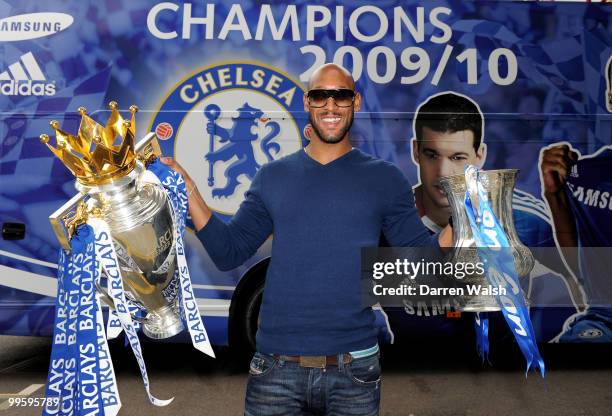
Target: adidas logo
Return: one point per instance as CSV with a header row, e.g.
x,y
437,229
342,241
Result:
x,y
25,78
574,171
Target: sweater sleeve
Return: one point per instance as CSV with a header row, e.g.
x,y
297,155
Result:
x,y
231,244
402,225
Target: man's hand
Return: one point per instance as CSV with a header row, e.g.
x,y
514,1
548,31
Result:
x,y
445,238
173,164
555,165
199,211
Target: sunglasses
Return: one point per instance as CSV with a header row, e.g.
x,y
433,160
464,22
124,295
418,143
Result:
x,y
343,97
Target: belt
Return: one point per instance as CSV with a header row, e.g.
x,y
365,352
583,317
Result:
x,y
316,361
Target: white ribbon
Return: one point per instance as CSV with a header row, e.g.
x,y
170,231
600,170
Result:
x,y
106,255
108,382
188,304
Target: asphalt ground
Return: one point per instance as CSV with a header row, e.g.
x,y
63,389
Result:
x,y
437,377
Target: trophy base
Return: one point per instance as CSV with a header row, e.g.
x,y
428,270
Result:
x,y
484,304
480,304
475,308
163,323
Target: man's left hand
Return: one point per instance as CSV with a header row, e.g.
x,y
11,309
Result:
x,y
445,238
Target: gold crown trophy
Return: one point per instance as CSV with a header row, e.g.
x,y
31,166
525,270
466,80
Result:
x,y
109,169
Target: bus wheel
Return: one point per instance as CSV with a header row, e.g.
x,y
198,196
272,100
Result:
x,y
244,313
251,316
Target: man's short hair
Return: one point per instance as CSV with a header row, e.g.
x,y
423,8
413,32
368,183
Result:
x,y
449,113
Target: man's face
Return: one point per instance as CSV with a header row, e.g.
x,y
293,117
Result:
x,y
444,154
331,123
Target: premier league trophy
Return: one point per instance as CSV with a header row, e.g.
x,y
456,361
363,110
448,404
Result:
x,y
138,214
499,187
125,225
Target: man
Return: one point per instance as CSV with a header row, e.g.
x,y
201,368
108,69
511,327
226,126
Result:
x,y
448,134
578,191
317,346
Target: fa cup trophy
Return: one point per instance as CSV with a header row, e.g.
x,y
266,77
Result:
x,y
481,204
499,187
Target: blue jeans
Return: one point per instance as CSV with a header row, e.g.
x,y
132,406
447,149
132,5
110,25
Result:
x,y
277,387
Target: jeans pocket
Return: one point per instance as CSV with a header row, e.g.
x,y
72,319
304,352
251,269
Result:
x,y
261,364
365,371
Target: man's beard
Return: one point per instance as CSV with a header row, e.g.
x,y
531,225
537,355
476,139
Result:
x,y
331,139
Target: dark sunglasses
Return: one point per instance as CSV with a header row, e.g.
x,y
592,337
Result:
x,y
343,97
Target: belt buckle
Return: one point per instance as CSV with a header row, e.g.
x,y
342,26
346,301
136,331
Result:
x,y
317,361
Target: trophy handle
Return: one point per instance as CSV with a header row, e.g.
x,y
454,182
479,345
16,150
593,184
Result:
x,y
106,298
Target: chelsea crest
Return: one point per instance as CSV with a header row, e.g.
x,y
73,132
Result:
x,y
223,122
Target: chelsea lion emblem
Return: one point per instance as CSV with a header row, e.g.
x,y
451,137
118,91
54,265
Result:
x,y
224,122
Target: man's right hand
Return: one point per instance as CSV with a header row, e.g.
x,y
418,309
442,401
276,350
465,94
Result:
x,y
199,211
174,165
555,166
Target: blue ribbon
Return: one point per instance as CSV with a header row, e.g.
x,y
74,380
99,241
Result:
x,y
495,252
89,389
73,382
481,323
107,256
174,185
73,293
55,376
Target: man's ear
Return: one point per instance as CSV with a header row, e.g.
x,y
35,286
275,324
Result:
x,y
357,105
415,151
481,155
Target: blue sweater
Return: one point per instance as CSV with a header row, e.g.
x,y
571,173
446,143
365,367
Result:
x,y
320,217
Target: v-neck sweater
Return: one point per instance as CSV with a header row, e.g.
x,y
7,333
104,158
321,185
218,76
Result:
x,y
320,217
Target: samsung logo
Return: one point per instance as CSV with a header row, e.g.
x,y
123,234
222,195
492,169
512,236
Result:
x,y
33,25
591,197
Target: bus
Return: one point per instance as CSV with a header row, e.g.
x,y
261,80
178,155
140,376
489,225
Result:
x,y
220,84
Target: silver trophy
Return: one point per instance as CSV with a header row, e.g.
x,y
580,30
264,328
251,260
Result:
x,y
138,213
499,187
